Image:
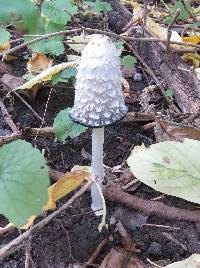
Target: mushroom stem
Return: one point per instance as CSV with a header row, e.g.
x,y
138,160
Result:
x,y
97,169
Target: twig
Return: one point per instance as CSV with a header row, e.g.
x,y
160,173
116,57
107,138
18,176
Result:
x,y
160,226
130,184
145,12
149,207
188,11
42,37
169,29
126,239
154,264
7,117
149,126
17,243
28,105
183,50
97,251
92,31
28,258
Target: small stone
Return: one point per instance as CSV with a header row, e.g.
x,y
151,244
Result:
x,y
155,249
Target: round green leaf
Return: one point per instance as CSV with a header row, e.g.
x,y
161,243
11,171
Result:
x,y
24,181
169,167
64,127
128,61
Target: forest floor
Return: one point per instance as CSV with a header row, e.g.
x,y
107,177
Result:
x,y
73,236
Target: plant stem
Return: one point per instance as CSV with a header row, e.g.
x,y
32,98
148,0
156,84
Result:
x,y
97,168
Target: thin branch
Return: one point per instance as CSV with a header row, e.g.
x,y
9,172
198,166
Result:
x,y
42,37
92,31
169,29
18,242
188,11
145,12
149,207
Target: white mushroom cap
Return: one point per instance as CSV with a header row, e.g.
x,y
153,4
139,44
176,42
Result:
x,y
98,98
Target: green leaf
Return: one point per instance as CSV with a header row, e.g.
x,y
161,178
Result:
x,y
120,44
183,15
100,6
64,127
59,11
4,36
64,76
128,61
12,12
68,73
170,167
169,92
24,181
195,24
48,47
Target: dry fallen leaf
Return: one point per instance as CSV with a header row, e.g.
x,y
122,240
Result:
x,y
195,39
62,187
166,131
120,258
192,58
4,47
77,43
46,75
38,63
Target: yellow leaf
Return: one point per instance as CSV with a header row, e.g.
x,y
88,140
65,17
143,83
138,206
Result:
x,y
192,58
67,183
4,47
63,186
29,223
195,39
38,63
46,75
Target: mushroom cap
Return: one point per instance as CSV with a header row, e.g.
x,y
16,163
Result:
x,y
99,99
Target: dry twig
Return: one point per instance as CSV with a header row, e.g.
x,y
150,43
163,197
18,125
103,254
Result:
x,y
149,207
169,31
92,31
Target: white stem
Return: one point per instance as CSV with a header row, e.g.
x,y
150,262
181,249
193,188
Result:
x,y
97,168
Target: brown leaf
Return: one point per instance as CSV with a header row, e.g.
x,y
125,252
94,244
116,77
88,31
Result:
x,y
119,259
4,47
38,63
166,131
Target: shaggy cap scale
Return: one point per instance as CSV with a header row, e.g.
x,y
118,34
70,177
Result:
x,y
98,98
